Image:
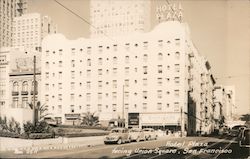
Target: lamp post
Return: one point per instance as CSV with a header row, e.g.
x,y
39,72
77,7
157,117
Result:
x,y
123,125
34,91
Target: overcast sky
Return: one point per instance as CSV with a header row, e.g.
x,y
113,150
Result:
x,y
220,30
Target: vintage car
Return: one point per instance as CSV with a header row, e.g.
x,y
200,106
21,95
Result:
x,y
234,132
244,138
117,135
150,133
136,134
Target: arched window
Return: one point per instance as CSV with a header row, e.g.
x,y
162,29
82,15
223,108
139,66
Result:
x,y
25,86
160,56
15,87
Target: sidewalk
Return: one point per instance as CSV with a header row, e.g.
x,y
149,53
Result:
x,y
23,146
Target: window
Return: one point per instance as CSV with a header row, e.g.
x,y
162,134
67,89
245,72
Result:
x,y
114,95
46,98
59,86
177,80
144,106
177,55
60,52
177,93
72,109
145,45
144,81
99,96
126,70
127,59
99,71
160,43
159,81
145,94
145,69
159,68
59,108
60,64
72,63
60,97
114,107
72,85
88,85
73,74
60,75
46,86
177,41
114,83
15,102
99,84
88,50
176,106
88,73
24,102
160,56
88,97
73,51
115,60
159,106
47,65
177,67
99,107
159,93
25,86
99,61
145,57
88,62
126,82
72,97
126,95
114,71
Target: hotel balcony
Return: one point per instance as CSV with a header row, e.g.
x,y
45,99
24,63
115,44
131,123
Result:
x,y
15,93
24,92
33,92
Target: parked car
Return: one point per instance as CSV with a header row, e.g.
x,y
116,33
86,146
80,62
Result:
x,y
234,132
244,139
150,133
117,135
136,134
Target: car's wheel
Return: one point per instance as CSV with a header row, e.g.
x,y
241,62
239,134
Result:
x,y
149,138
119,141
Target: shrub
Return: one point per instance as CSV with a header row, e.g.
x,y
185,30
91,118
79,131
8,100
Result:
x,y
40,127
83,134
9,134
40,135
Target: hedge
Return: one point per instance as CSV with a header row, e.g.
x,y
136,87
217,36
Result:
x,y
82,134
41,135
82,127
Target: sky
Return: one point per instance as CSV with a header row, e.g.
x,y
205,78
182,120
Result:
x,y
220,29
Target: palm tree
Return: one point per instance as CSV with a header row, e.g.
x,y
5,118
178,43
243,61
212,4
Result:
x,y
39,111
90,119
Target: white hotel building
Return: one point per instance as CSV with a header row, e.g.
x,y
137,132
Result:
x,y
143,73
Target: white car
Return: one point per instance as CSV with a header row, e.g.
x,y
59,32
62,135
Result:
x,y
150,133
136,134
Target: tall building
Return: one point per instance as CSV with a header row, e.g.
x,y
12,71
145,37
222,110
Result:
x,y
113,18
30,29
8,10
140,75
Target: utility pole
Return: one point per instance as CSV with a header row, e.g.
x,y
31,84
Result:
x,y
123,106
34,91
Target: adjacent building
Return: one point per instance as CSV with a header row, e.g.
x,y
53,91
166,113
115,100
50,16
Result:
x,y
17,83
113,18
9,10
30,29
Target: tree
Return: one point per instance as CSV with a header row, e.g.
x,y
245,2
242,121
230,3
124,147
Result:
x,y
90,119
39,111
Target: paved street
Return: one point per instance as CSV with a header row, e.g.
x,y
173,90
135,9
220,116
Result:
x,y
189,147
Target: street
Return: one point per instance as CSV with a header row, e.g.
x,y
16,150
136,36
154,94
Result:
x,y
188,147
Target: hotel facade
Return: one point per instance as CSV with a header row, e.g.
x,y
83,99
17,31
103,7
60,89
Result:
x,y
145,77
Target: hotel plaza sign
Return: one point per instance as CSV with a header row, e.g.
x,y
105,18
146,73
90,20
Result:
x,y
168,12
160,118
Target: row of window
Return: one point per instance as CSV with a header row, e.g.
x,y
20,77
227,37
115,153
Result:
x,y
114,95
114,70
114,83
24,85
114,107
